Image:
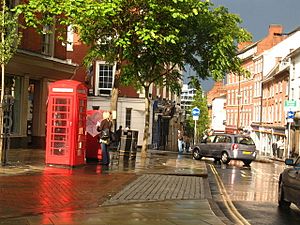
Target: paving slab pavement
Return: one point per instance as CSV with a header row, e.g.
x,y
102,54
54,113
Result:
x,y
169,212
166,188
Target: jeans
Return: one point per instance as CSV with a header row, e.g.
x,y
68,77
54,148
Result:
x,y
180,143
105,154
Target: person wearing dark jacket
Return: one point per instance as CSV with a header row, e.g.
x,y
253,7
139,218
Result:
x,y
105,127
118,136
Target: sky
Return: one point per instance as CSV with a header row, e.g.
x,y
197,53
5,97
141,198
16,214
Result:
x,y
257,15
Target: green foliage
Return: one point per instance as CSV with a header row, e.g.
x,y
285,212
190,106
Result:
x,y
150,40
200,101
8,26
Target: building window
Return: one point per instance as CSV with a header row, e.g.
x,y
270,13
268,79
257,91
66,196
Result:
x,y
105,74
246,95
280,110
280,86
128,117
276,112
47,40
70,38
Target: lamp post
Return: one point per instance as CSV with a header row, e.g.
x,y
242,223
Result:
x,y
238,99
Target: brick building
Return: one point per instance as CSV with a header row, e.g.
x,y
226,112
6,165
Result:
x,y
256,103
39,60
243,93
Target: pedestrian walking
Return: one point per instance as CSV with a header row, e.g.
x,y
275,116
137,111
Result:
x,y
105,132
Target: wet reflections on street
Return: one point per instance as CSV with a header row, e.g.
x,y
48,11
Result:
x,y
50,199
256,183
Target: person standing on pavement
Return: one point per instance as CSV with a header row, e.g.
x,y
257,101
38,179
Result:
x,y
105,131
280,147
274,148
180,141
118,136
186,140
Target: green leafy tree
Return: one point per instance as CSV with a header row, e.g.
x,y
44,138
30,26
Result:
x,y
200,101
150,40
10,39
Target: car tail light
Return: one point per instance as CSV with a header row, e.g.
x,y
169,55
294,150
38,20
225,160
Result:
x,y
234,147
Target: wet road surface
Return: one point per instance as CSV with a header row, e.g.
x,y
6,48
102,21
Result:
x,y
253,191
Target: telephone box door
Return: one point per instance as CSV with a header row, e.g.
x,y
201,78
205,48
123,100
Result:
x,y
59,125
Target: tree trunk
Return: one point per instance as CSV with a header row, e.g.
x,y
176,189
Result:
x,y
2,153
147,122
115,95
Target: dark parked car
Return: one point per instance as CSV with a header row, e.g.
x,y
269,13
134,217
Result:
x,y
289,184
226,147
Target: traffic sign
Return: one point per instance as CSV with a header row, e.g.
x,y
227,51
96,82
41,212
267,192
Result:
x,y
290,115
195,111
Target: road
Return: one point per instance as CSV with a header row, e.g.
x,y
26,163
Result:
x,y
252,191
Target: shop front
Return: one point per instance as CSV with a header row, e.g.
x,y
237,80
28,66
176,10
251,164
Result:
x,y
27,77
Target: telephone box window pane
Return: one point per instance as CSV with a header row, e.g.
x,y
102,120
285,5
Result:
x,y
61,101
59,148
61,108
60,116
59,130
59,123
60,137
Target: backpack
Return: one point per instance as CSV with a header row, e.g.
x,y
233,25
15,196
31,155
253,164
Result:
x,y
105,134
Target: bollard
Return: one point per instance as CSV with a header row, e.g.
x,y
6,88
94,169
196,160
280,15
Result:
x,y
125,145
133,147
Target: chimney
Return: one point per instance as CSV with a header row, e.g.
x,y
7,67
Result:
x,y
275,29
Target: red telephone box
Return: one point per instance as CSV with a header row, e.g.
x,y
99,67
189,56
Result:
x,y
66,123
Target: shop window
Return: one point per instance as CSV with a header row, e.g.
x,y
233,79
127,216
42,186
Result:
x,y
13,85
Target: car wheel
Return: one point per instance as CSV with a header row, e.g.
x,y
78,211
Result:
x,y
281,201
225,158
196,153
247,162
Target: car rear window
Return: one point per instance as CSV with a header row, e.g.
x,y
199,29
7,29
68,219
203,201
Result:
x,y
244,140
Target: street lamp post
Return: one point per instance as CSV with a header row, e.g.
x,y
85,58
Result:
x,y
238,99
